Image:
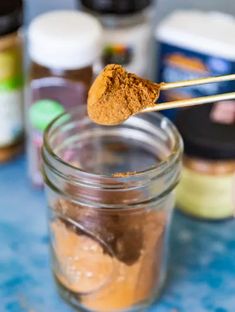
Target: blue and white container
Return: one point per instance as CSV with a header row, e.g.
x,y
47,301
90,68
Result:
x,y
194,44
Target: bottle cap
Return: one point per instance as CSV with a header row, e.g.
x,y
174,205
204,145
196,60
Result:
x,y
205,138
11,16
65,40
42,112
116,7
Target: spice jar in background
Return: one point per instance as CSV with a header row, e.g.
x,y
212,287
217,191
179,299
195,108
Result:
x,y
110,197
207,187
11,79
127,33
63,46
194,44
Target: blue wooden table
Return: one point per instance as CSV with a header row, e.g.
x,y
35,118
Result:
x,y
201,270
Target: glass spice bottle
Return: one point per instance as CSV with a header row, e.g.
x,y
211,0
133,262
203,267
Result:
x,y
63,46
11,79
207,187
127,33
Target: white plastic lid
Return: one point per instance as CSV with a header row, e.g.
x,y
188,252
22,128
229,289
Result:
x,y
206,32
65,39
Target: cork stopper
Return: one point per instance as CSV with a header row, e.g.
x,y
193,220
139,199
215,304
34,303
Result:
x,y
116,95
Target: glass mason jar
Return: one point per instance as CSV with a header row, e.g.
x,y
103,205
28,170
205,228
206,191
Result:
x,y
110,194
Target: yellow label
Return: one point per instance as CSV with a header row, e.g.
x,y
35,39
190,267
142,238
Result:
x,y
11,69
205,196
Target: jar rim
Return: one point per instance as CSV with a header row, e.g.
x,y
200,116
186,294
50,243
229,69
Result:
x,y
154,170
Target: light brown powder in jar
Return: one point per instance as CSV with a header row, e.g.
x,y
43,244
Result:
x,y
108,259
116,95
102,281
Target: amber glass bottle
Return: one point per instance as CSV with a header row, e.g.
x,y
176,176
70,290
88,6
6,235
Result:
x,y
127,32
11,79
61,72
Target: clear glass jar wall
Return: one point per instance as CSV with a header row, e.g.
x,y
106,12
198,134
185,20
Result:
x,y
110,196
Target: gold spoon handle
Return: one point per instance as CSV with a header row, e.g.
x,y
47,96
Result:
x,y
195,82
190,102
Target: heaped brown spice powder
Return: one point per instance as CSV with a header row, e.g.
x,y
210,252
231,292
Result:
x,y
108,259
112,261
116,95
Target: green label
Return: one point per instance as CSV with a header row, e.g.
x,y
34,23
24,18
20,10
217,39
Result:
x,y
43,112
12,84
11,69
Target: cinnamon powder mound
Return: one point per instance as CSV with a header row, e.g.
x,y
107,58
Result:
x,y
109,281
108,259
116,95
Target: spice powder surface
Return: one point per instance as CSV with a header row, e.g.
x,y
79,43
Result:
x,y
116,95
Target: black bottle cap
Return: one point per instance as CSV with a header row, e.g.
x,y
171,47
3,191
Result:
x,y
204,138
11,16
116,6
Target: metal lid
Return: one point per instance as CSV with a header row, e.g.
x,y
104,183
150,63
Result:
x,y
116,7
11,16
205,138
